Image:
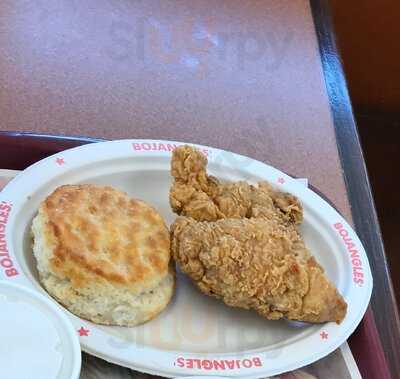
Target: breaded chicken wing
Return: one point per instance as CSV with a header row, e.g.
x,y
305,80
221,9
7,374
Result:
x,y
205,198
257,264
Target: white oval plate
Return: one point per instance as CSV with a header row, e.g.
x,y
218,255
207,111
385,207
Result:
x,y
195,335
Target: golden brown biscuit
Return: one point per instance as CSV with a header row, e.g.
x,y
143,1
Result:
x,y
103,255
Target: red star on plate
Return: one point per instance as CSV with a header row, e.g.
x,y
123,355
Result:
x,y
324,335
281,180
83,332
60,161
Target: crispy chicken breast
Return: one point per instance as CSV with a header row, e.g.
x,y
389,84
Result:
x,y
240,243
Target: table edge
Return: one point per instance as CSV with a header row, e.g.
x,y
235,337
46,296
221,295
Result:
x,y
357,184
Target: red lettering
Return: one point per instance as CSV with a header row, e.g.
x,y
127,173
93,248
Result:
x,y
136,146
162,147
338,225
146,146
354,253
347,240
207,365
171,147
230,364
6,262
343,232
5,207
198,363
350,245
358,281
189,363
247,363
219,365
356,262
355,268
11,272
358,274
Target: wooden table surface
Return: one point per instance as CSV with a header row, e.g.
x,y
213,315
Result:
x,y
260,78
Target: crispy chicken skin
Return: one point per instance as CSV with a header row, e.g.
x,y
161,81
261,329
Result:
x,y
240,243
205,198
256,264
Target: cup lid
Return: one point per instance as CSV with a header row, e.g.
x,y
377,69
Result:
x,y
37,338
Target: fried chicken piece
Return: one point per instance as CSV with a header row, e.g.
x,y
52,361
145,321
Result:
x,y
205,198
256,264
239,243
